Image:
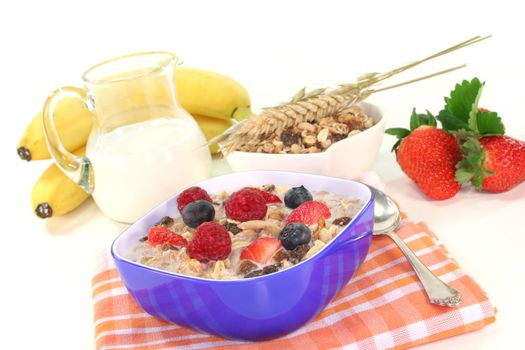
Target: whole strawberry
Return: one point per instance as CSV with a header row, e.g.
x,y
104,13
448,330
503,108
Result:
x,y
493,164
428,156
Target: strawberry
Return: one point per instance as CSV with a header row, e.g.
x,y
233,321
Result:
x,y
428,156
261,250
159,235
309,213
493,164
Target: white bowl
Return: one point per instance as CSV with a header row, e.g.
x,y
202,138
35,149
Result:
x,y
347,158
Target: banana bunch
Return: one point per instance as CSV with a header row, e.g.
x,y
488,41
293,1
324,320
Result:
x,y
214,100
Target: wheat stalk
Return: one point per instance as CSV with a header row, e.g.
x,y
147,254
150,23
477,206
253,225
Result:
x,y
322,102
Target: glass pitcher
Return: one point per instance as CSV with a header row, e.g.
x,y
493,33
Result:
x,y
144,146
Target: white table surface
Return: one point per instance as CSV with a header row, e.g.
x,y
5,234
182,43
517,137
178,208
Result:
x,y
274,49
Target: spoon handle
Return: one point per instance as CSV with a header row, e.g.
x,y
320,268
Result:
x,y
438,292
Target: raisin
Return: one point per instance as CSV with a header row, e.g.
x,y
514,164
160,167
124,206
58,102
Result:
x,y
255,273
281,255
342,221
355,124
338,137
143,239
233,228
298,253
165,221
270,269
246,266
290,137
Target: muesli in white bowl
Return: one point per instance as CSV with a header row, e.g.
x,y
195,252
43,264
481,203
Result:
x,y
344,145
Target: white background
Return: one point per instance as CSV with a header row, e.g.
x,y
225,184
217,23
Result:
x,y
273,48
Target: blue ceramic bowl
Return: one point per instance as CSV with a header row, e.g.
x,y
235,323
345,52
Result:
x,y
259,308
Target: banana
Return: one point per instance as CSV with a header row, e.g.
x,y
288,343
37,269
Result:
x,y
203,92
200,92
212,127
55,194
73,122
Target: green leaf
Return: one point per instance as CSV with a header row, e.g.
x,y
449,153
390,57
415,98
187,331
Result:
x,y
418,119
431,119
463,101
471,146
463,174
472,166
489,123
398,132
463,135
450,122
395,146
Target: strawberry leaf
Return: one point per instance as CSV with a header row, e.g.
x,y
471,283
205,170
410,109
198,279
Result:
x,y
400,133
489,123
416,120
450,122
472,166
463,174
463,101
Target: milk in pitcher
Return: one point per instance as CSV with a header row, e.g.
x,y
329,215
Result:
x,y
137,166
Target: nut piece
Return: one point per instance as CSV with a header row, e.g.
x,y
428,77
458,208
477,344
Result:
x,y
192,268
309,140
323,135
276,213
325,235
306,127
295,148
218,269
316,247
260,225
268,147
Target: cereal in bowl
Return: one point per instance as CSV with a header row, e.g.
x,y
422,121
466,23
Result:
x,y
246,233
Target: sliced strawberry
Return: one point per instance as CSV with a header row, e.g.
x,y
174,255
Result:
x,y
309,213
268,197
261,250
158,235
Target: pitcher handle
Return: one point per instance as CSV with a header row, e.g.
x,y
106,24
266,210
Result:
x,y
77,168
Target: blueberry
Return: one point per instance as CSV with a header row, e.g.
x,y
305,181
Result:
x,y
294,235
198,212
297,196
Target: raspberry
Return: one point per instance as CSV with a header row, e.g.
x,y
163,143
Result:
x,y
309,213
268,197
246,205
161,235
211,242
190,195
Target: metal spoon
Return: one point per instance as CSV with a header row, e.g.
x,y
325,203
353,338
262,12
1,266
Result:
x,y
387,218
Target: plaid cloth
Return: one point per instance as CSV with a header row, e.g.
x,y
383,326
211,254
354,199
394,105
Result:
x,y
383,307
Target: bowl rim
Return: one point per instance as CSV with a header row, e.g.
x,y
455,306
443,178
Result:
x,y
366,205
379,124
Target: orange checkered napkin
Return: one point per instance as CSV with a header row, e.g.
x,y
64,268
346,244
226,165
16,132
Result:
x,y
382,307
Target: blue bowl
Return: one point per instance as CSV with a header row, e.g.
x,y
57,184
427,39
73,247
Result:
x,y
259,308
